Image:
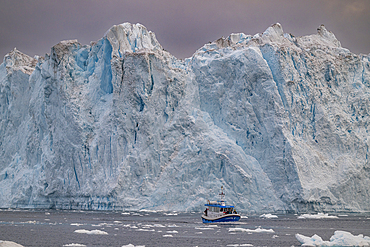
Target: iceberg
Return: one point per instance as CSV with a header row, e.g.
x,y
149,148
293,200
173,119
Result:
x,y
340,238
9,244
280,121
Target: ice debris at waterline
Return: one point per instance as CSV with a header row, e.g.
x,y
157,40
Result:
x,y
340,238
280,121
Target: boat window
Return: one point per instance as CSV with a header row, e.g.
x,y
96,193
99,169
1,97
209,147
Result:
x,y
215,209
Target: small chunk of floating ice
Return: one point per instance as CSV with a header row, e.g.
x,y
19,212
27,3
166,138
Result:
x,y
269,216
244,217
145,230
258,230
172,225
9,244
94,232
170,214
76,224
75,245
317,216
167,236
204,228
30,222
147,211
239,245
136,214
340,238
158,225
125,213
131,245
172,232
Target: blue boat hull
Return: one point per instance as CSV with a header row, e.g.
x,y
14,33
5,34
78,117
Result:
x,y
230,218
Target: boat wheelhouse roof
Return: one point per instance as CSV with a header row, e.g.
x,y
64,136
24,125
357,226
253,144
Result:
x,y
218,204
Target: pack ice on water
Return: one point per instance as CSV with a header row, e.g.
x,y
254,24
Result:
x,y
280,121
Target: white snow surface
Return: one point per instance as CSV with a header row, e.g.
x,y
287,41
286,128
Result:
x,y
340,238
280,121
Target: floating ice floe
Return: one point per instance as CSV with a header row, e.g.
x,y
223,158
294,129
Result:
x,y
258,230
30,222
317,216
131,245
170,214
167,236
9,244
148,211
74,245
145,230
269,216
239,245
92,232
172,232
340,238
158,225
76,224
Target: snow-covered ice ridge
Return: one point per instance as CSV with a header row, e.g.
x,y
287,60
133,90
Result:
x,y
280,121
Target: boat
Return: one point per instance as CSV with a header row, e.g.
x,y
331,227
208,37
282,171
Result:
x,y
218,211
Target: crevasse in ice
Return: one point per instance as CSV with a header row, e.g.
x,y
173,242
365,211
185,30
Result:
x,y
280,121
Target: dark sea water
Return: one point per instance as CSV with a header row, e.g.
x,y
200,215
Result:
x,y
57,228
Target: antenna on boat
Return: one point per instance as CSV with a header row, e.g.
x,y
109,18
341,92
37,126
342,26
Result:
x,y
222,194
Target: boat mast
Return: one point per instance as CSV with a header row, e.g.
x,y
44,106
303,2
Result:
x,y
222,194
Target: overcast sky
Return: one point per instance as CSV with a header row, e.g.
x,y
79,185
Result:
x,y
34,26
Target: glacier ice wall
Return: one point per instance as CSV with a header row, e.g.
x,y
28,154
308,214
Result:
x,y
280,121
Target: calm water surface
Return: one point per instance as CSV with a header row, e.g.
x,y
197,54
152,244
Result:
x,y
57,228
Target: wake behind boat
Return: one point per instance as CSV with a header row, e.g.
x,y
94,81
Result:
x,y
218,211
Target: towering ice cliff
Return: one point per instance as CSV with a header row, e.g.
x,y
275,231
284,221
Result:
x,y
280,121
